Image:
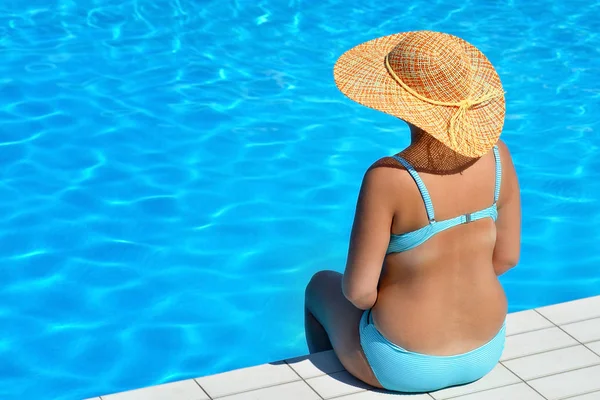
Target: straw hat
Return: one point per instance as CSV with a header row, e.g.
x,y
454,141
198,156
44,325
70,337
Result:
x,y
435,81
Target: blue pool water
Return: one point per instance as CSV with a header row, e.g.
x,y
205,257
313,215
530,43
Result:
x,y
174,171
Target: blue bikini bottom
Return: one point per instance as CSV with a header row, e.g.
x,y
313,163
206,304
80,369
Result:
x,y
401,370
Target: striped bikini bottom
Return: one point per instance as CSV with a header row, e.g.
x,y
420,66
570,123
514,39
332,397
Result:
x,y
401,370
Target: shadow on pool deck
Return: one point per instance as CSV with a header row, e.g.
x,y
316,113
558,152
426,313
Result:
x,y
326,361
551,352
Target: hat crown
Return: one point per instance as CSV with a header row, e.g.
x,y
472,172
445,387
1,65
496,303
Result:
x,y
433,64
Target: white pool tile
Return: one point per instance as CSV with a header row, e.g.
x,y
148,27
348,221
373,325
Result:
x,y
589,396
245,379
289,391
572,311
519,391
595,346
525,344
568,384
316,364
584,331
549,359
525,321
337,384
552,362
182,390
382,395
498,377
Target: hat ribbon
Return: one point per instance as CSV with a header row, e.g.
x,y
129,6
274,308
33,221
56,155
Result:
x,y
462,105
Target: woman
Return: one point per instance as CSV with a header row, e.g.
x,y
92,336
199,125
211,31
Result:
x,y
419,306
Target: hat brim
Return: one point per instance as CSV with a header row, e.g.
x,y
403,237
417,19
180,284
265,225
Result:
x,y
360,74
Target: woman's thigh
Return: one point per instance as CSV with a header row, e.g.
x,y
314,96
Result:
x,y
340,319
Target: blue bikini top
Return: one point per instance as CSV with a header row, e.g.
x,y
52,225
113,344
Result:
x,y
409,240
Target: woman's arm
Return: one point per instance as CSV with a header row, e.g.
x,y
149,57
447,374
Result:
x,y
369,240
508,225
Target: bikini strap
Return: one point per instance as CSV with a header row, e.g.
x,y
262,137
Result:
x,y
498,174
422,188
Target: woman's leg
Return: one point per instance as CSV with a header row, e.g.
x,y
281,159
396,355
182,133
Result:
x,y
316,336
329,315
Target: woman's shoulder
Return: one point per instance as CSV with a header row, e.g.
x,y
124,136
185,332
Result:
x,y
386,162
503,148
505,156
382,175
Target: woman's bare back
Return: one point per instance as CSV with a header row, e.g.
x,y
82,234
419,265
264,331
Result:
x,y
443,297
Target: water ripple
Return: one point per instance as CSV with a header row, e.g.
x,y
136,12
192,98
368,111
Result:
x,y
175,171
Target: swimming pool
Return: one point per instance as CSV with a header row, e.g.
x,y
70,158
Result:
x,y
175,171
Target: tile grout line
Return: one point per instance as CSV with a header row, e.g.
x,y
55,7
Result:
x,y
373,389
255,389
549,351
533,330
542,352
557,373
483,391
567,333
574,338
535,310
304,380
330,374
590,349
385,391
583,320
201,388
566,323
346,394
559,348
430,395
529,331
534,389
457,397
545,351
580,394
524,381
553,325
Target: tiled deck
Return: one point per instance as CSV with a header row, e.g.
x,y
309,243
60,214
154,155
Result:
x,y
551,353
